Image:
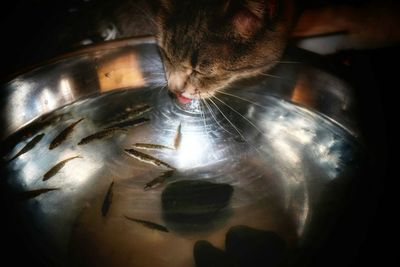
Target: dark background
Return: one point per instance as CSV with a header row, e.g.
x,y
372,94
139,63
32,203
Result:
x,y
365,232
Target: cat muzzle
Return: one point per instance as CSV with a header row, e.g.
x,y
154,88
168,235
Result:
x,y
183,99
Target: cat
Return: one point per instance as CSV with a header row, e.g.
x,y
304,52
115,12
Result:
x,y
207,44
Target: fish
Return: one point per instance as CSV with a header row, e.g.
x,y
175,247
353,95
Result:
x,y
29,130
139,109
100,135
133,112
30,145
158,180
63,135
148,224
178,137
151,146
147,158
33,193
107,200
129,123
54,170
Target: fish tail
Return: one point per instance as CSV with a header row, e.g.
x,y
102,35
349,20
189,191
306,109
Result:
x,y
78,121
147,187
82,142
8,161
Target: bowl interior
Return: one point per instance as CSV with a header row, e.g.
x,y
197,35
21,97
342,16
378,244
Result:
x,y
131,169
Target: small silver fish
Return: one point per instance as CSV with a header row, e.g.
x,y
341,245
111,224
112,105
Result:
x,y
30,145
158,180
148,224
147,158
129,123
63,135
100,135
29,130
139,109
178,137
131,113
33,193
107,200
151,146
54,170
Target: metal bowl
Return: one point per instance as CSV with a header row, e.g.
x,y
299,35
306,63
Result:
x,y
275,153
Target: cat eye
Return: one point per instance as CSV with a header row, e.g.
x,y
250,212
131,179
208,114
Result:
x,y
198,72
194,58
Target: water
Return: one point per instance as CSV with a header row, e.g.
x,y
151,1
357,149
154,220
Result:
x,y
268,165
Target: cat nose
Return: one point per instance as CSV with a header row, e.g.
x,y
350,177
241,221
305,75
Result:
x,y
190,90
176,82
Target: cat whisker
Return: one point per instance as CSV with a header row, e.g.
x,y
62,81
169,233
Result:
x,y
203,116
157,73
154,86
254,103
271,75
162,88
149,80
204,119
213,116
151,76
237,130
237,112
241,98
285,80
233,125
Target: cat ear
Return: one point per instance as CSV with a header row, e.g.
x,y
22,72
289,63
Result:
x,y
160,5
251,16
262,8
166,5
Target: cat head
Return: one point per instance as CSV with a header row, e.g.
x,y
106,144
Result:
x,y
208,44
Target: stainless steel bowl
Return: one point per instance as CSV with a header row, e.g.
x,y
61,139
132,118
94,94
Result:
x,y
285,143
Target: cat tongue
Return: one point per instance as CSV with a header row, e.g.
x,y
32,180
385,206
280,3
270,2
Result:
x,y
182,99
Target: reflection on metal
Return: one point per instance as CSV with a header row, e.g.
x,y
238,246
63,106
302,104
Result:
x,y
66,90
302,95
280,157
118,72
23,98
47,100
17,104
